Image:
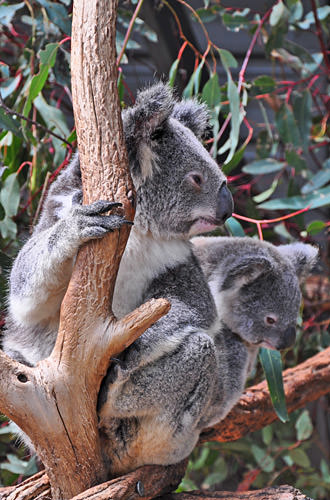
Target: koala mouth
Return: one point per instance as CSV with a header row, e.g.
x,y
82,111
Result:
x,y
267,345
203,225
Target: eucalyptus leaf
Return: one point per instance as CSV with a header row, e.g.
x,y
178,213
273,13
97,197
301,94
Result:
x,y
302,105
7,122
8,228
234,227
10,195
173,72
299,457
7,12
58,14
319,198
272,364
211,94
304,426
315,227
267,193
318,180
266,166
47,61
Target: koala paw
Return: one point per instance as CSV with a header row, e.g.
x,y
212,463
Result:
x,y
92,224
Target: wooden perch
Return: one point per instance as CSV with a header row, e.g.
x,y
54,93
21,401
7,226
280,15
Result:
x,y
148,482
302,384
276,493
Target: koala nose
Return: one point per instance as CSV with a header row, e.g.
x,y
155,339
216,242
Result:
x,y
225,204
287,338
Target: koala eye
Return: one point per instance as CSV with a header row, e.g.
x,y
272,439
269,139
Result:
x,y
196,179
157,134
270,319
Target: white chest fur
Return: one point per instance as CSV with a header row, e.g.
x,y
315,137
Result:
x,y
144,259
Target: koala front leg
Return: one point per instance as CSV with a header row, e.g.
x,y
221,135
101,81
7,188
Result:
x,y
43,267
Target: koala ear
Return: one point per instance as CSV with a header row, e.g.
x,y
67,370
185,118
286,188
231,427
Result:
x,y
148,116
245,271
302,255
193,115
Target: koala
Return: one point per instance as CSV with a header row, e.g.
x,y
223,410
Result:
x,y
255,286
154,398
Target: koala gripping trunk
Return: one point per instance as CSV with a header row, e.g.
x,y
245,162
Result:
x,y
55,402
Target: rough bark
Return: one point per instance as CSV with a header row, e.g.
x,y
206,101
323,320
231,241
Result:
x,y
302,384
277,493
55,402
146,483
306,382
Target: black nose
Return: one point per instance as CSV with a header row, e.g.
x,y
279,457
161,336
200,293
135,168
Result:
x,y
288,338
225,204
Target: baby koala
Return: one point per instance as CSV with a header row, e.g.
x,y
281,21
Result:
x,y
255,286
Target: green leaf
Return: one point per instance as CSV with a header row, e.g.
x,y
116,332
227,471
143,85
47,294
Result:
x,y
234,106
173,72
10,86
262,85
47,61
200,462
8,228
58,14
227,59
304,426
235,22
234,227
272,364
267,434
53,117
218,476
266,462
318,198
197,77
295,160
9,123
325,471
287,127
278,13
315,227
7,12
299,457
238,155
211,94
266,194
10,195
266,166
318,180
302,106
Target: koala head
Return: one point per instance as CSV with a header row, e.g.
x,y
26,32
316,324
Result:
x,y
180,188
256,286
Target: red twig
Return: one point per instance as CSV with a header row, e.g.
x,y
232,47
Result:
x,y
252,44
320,35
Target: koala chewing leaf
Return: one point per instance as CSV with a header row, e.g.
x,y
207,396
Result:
x,y
154,399
255,286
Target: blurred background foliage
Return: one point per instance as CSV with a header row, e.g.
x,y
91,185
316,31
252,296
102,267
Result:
x,y
269,131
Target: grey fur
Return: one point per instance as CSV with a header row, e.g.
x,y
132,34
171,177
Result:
x,y
250,281
156,395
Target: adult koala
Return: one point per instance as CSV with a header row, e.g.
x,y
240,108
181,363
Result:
x,y
154,398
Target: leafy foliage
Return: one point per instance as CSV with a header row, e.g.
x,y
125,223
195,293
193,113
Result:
x,y
289,171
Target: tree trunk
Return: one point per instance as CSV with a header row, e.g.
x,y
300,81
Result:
x,y
55,402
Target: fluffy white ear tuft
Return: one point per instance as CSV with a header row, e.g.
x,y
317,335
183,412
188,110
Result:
x,y
302,255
